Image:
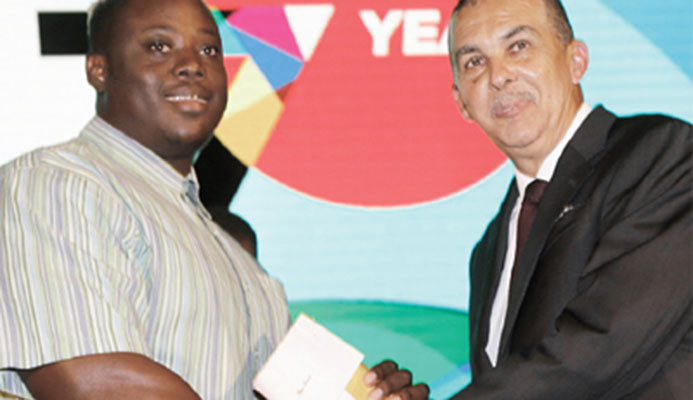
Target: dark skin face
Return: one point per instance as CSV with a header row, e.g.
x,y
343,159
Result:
x,y
162,79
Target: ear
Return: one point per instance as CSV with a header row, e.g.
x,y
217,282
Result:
x,y
579,59
97,71
460,104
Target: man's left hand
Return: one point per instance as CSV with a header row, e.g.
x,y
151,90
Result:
x,y
391,383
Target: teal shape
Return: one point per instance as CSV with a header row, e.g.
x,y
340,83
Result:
x,y
229,42
410,334
669,25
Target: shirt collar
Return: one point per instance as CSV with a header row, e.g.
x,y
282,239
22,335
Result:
x,y
138,159
548,166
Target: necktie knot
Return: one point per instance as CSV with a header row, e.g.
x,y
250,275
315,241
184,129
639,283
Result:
x,y
533,194
534,191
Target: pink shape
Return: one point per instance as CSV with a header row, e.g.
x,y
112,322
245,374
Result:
x,y
233,65
268,24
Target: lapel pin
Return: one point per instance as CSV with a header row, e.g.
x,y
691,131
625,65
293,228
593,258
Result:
x,y
566,209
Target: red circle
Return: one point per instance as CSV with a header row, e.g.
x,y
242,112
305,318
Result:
x,y
374,131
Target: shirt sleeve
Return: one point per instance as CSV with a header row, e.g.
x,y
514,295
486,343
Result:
x,y
71,277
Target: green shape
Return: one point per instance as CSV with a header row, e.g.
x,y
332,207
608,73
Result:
x,y
443,330
378,344
430,342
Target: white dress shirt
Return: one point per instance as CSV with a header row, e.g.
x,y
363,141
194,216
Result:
x,y
500,302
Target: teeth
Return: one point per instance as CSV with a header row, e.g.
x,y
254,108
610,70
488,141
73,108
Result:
x,y
193,97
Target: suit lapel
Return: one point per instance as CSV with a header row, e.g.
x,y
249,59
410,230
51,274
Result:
x,y
573,168
487,283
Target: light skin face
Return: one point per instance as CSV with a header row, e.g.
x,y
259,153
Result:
x,y
162,80
515,78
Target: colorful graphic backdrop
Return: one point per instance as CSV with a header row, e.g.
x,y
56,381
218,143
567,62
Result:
x,y
321,101
367,190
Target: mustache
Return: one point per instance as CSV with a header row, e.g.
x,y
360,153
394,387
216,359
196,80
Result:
x,y
507,99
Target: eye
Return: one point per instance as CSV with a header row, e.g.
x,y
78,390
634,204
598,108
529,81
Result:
x,y
519,45
474,61
159,46
211,51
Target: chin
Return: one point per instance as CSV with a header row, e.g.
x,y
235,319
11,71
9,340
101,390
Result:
x,y
520,139
193,139
187,136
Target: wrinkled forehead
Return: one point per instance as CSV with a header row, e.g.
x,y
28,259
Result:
x,y
491,19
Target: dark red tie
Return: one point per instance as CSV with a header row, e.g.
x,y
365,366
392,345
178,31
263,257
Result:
x,y
528,211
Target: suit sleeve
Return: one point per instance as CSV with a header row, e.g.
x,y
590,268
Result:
x,y
632,306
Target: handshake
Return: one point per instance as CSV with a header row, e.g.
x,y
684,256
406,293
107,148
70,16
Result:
x,y
311,363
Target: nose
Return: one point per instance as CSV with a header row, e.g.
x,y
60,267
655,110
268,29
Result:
x,y
501,75
189,66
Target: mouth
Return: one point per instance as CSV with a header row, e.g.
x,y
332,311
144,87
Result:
x,y
189,99
179,98
188,102
509,108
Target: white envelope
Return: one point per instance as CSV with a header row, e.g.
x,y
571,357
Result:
x,y
310,363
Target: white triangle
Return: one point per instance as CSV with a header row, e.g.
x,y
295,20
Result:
x,y
308,23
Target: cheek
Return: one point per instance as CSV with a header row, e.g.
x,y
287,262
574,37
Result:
x,y
152,81
475,98
533,74
219,80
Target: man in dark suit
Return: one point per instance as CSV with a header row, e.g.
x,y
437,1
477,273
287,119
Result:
x,y
581,285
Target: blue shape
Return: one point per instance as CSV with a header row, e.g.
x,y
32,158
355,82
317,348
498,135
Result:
x,y
452,382
628,72
229,42
667,24
279,67
415,255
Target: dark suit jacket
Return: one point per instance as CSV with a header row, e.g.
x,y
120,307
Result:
x,y
600,299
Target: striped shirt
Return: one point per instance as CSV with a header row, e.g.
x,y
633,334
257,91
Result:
x,y
104,247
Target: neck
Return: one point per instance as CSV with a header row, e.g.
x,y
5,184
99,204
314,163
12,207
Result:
x,y
183,166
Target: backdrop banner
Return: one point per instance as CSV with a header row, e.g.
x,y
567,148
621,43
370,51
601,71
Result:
x,y
366,187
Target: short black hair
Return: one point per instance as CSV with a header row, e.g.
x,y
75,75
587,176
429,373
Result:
x,y
100,23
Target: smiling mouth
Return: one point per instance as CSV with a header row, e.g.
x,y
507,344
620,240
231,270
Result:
x,y
186,98
509,110
510,107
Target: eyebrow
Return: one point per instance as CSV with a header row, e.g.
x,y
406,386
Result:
x,y
158,28
169,28
208,31
513,32
465,50
517,30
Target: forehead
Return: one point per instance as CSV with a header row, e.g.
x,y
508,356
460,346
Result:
x,y
177,14
491,19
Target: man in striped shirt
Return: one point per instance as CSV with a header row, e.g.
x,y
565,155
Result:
x,y
114,281
108,257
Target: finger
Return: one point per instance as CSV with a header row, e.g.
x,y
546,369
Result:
x,y
416,392
390,384
379,372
